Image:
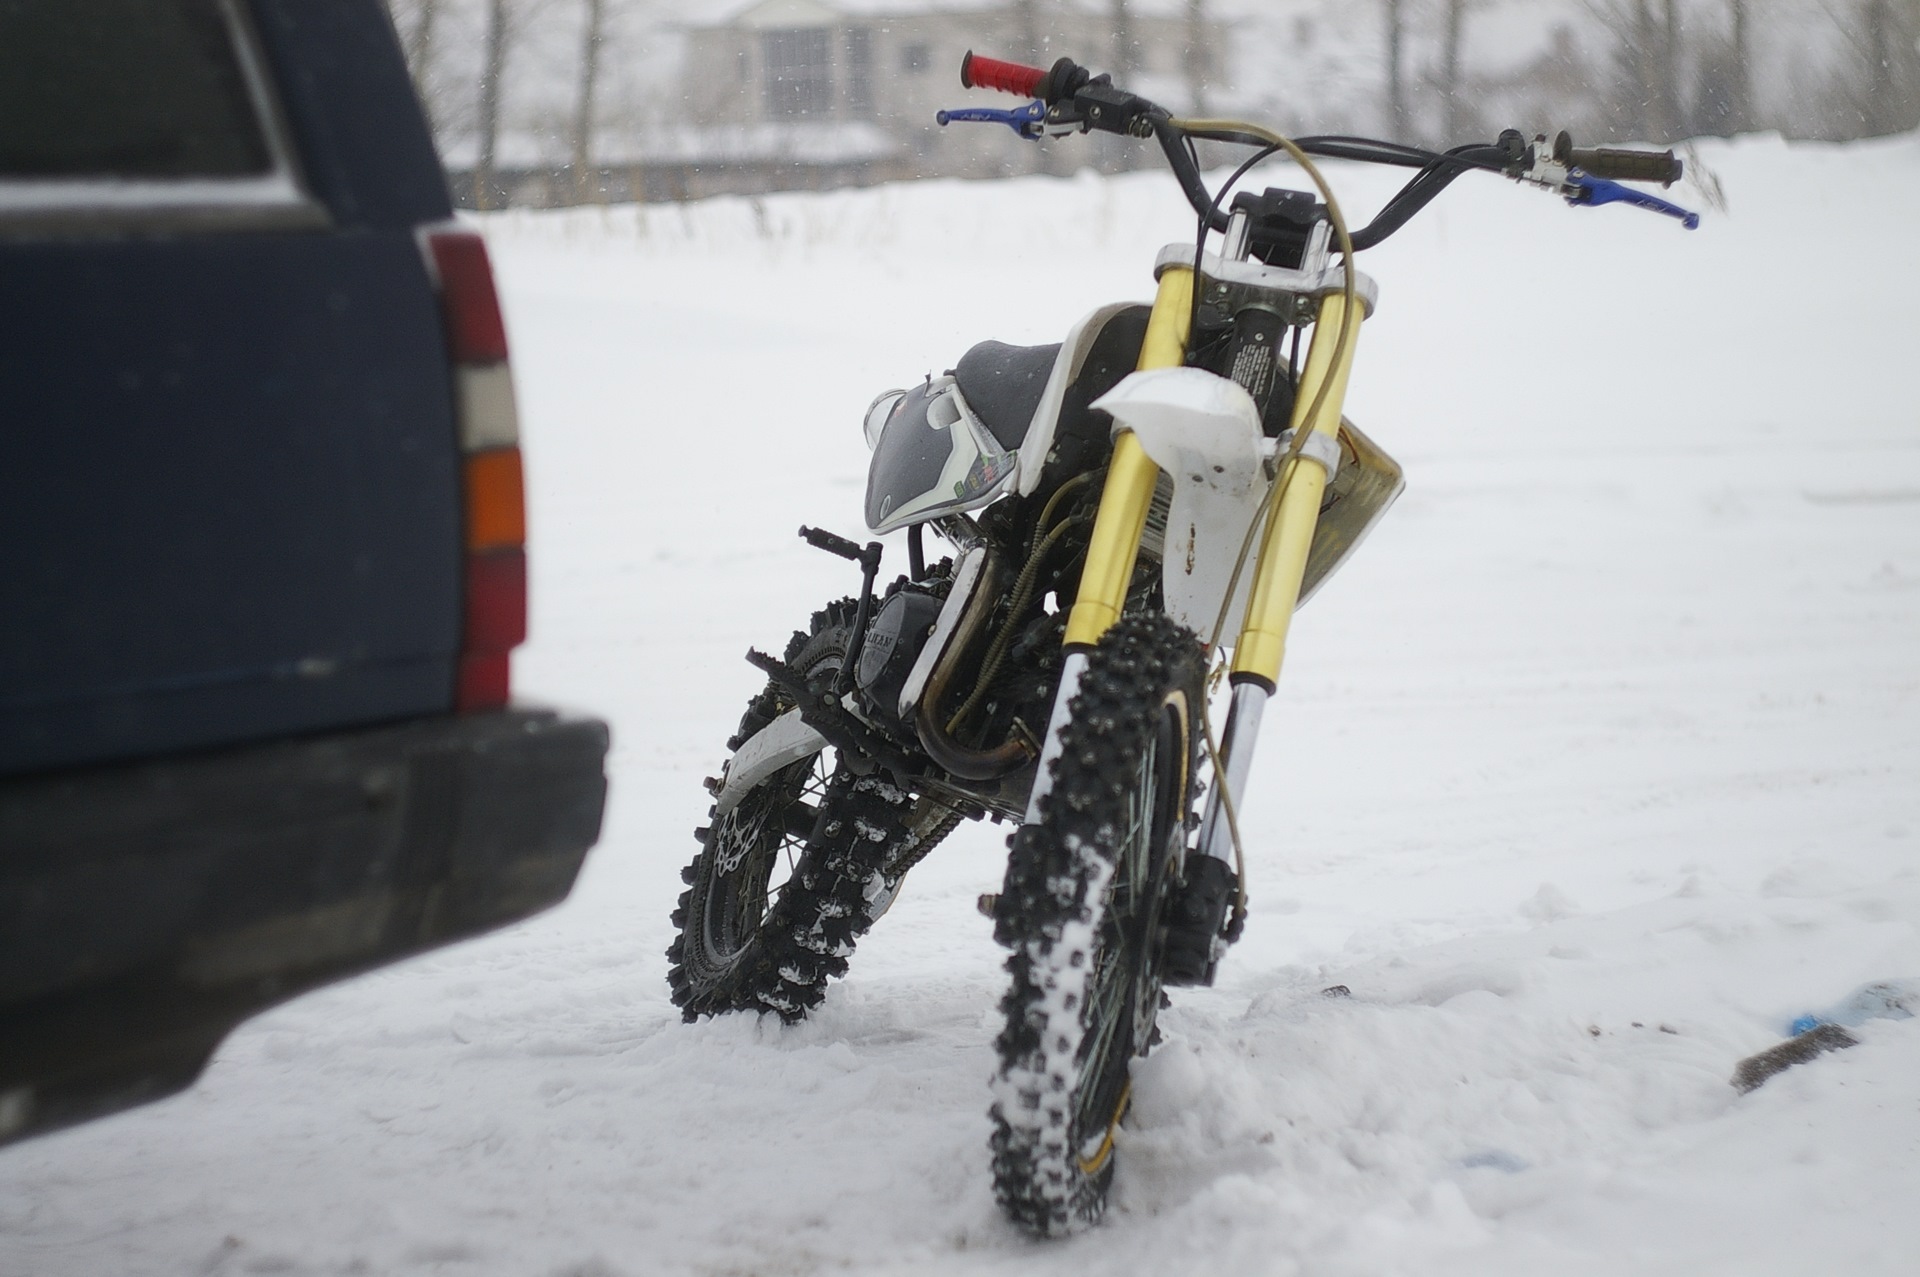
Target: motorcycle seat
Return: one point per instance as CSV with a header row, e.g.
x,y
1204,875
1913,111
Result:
x,y
1004,384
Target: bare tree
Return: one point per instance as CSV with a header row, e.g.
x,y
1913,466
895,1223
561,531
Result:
x,y
1667,71
1125,48
1199,56
419,41
1651,58
1397,119
416,43
1027,13
591,40
493,70
1723,77
1740,69
1452,87
1646,93
1890,95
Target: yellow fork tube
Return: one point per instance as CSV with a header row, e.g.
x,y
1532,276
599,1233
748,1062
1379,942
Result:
x,y
1289,534
1130,478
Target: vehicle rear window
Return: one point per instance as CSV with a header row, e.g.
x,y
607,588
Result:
x,y
134,89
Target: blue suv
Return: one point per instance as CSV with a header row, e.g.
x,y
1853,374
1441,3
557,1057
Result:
x,y
262,552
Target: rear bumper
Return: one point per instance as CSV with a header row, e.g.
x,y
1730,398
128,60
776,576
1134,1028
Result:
x,y
147,909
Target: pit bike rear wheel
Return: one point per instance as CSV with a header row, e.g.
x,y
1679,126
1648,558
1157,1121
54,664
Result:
x,y
1082,912
786,881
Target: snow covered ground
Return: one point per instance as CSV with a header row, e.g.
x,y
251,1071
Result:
x,y
1596,767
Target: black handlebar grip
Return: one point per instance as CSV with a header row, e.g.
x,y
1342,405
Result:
x,y
1628,166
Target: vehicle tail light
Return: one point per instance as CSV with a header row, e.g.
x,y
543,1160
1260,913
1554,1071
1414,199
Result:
x,y
475,332
495,623
496,505
494,612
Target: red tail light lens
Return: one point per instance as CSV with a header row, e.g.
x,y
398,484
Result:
x,y
496,623
497,600
475,331
486,682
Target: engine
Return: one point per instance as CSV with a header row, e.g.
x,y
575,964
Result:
x,y
894,641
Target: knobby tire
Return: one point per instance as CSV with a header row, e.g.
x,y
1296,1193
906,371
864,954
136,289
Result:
x,y
848,839
1080,911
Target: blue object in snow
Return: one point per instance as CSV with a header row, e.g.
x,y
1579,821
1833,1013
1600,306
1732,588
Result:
x,y
1881,1000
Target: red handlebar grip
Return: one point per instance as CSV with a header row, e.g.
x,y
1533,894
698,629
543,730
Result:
x,y
977,72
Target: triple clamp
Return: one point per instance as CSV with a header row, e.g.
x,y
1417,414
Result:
x,y
1231,285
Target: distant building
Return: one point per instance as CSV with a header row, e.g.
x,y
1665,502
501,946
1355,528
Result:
x,y
808,93
703,97
777,95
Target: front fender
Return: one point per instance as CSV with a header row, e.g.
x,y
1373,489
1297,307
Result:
x,y
1204,431
781,743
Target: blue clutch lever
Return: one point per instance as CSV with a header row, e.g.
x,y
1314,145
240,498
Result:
x,y
1589,191
1027,121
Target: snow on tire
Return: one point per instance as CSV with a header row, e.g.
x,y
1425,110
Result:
x,y
746,943
1080,911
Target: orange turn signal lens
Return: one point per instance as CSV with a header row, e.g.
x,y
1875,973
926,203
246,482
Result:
x,y
496,499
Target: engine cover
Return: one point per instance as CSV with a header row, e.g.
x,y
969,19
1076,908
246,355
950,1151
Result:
x,y
893,644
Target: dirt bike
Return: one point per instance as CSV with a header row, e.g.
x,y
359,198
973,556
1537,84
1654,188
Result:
x,y
1112,504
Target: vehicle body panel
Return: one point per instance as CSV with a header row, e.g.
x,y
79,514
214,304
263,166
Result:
x,y
233,560
169,386
148,908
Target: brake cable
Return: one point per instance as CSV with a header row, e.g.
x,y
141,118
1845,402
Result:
x,y
1255,135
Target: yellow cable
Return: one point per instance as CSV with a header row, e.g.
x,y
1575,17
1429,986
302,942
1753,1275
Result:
x,y
1349,290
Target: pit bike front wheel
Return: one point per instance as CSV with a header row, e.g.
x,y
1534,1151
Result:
x,y
1082,911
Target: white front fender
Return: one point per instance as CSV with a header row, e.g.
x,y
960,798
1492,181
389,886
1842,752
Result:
x,y
1204,431
781,743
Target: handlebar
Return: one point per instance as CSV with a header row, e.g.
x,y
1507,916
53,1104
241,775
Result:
x,y
1074,99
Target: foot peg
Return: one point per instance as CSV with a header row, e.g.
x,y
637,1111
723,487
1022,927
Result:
x,y
821,539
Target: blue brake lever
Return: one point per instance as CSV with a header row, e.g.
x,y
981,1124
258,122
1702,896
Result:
x,y
1585,189
1026,121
